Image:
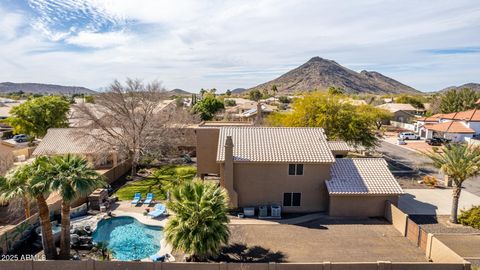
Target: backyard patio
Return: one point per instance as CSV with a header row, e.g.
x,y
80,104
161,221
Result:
x,y
324,239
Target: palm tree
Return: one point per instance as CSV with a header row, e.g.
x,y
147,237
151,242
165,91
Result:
x,y
72,177
31,181
459,162
17,187
199,226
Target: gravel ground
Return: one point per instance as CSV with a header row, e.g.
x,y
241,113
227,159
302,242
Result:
x,y
325,239
440,224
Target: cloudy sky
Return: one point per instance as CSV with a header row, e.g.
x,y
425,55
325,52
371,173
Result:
x,y
228,44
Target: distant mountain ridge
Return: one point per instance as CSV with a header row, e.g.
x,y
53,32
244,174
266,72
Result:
x,y
179,92
319,74
40,88
474,86
238,90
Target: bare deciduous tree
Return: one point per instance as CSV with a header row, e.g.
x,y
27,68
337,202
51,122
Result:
x,y
134,119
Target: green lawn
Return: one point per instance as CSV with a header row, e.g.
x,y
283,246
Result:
x,y
161,180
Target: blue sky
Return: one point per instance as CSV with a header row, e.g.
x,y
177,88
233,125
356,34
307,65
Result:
x,y
195,44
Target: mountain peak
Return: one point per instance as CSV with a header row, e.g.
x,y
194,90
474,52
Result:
x,y
319,73
318,59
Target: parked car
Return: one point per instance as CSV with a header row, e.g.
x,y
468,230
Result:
x,y
408,136
437,141
21,138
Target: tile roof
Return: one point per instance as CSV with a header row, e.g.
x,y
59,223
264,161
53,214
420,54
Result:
x,y
339,146
362,176
433,118
470,115
60,141
5,111
450,127
276,145
395,107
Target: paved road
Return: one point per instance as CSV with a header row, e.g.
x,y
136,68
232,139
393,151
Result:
x,y
419,162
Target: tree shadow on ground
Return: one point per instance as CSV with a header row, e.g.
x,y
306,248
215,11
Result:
x,y
239,252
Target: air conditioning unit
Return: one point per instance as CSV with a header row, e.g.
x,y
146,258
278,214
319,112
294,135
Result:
x,y
249,211
262,211
276,211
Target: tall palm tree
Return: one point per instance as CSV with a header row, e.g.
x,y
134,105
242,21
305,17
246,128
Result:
x,y
30,181
72,177
459,162
199,226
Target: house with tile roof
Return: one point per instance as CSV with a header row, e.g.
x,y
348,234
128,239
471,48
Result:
x,y
403,113
458,127
79,141
295,168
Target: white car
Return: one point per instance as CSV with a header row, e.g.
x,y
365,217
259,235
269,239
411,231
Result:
x,y
408,136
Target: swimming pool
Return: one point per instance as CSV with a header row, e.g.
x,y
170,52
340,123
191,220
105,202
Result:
x,y
128,238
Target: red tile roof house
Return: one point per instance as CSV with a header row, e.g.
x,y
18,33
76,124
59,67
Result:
x,y
459,127
294,168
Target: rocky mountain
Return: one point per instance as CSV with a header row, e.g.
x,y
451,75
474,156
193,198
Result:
x,y
39,88
319,73
179,92
473,86
237,91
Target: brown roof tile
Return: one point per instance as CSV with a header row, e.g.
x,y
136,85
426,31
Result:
x,y
450,127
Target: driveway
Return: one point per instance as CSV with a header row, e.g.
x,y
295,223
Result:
x,y
434,201
421,163
324,239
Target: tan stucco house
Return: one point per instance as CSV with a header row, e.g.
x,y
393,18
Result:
x,y
295,168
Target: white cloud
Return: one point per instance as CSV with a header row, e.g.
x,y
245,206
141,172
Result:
x,y
98,40
226,44
10,22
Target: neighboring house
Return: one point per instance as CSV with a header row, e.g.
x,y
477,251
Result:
x,y
246,110
6,105
294,168
4,111
403,113
459,126
62,141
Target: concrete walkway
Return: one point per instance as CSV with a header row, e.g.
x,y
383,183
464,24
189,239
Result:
x,y
434,201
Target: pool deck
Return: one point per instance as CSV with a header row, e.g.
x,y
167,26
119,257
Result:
x,y
124,208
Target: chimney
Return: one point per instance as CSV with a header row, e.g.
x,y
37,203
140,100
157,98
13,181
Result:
x,y
258,118
228,172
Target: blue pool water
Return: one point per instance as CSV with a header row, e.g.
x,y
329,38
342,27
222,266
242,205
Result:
x,y
128,238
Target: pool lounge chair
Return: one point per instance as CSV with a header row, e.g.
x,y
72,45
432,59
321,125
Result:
x,y
160,209
158,258
149,198
136,198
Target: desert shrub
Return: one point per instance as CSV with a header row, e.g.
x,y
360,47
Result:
x,y
470,217
284,99
229,102
430,180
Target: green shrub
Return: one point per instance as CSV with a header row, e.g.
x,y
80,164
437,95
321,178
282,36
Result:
x,y
470,217
230,102
284,99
